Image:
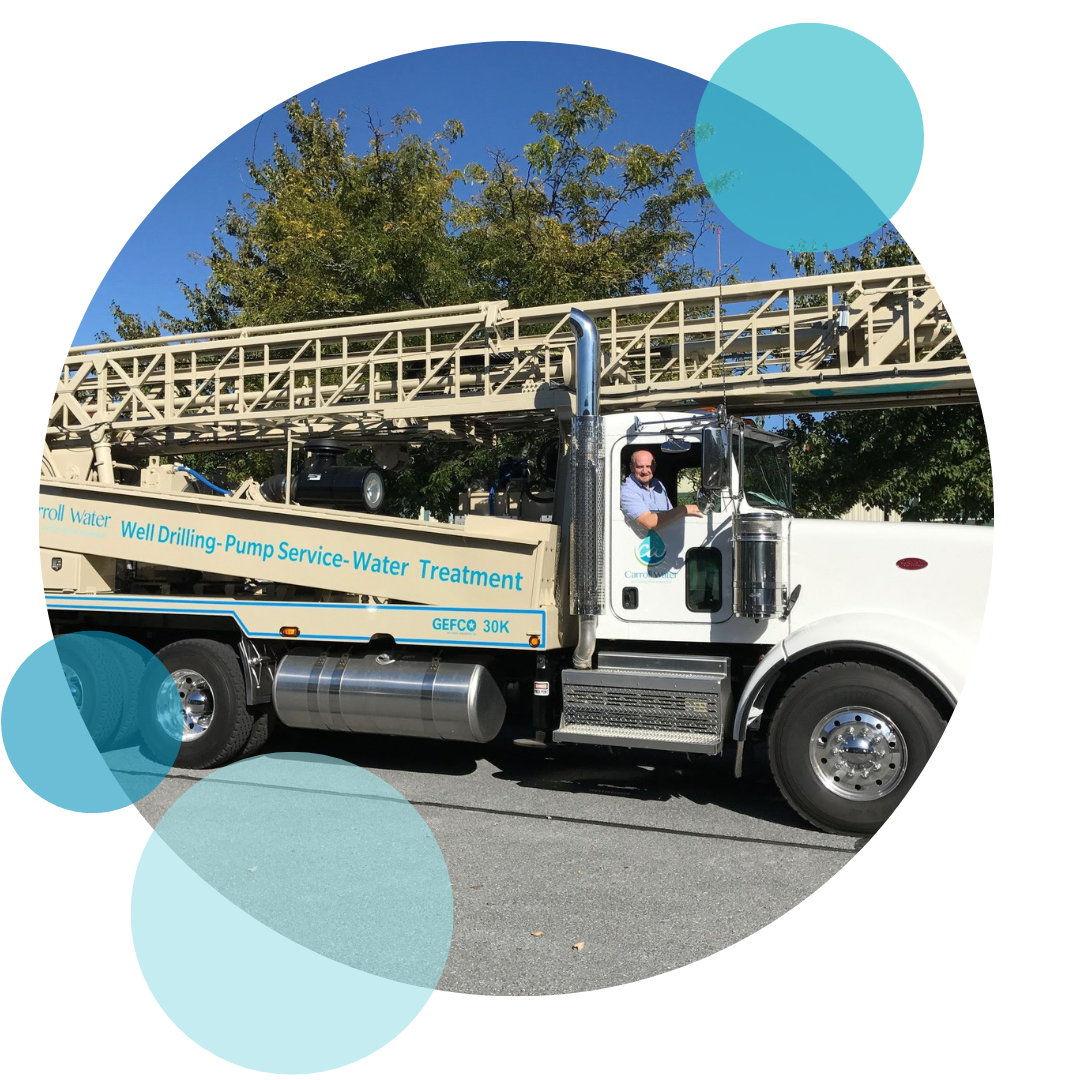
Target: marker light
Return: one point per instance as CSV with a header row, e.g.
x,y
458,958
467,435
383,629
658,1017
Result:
x,y
912,564
534,641
290,631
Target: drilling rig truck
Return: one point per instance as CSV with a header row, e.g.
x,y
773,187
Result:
x,y
842,646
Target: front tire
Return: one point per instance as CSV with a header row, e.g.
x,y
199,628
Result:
x,y
216,721
847,742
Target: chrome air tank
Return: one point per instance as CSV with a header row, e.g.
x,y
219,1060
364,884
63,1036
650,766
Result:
x,y
388,694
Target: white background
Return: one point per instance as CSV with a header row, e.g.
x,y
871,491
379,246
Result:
x,y
946,945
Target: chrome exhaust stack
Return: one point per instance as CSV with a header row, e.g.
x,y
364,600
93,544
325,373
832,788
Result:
x,y
587,490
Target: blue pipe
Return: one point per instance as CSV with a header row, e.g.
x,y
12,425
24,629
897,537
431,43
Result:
x,y
202,479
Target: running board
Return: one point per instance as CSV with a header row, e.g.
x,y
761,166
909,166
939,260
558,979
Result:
x,y
676,703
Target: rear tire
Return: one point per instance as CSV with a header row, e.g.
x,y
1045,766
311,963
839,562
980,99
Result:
x,y
131,660
216,722
261,730
94,680
847,742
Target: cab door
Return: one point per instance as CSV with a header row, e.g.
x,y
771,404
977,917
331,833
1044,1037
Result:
x,y
664,581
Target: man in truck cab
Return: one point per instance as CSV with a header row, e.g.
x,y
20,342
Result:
x,y
644,499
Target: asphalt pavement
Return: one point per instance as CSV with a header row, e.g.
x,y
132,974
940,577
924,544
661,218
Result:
x,y
645,863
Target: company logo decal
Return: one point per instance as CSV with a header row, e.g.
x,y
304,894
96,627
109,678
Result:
x,y
651,550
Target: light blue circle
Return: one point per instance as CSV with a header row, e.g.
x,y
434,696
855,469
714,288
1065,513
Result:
x,y
292,913
73,716
800,162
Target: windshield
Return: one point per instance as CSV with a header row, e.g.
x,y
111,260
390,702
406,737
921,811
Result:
x,y
766,474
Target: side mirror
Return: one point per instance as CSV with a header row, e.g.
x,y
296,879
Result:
x,y
714,459
674,445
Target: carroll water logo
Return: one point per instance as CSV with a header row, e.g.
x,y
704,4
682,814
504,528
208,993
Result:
x,y
651,550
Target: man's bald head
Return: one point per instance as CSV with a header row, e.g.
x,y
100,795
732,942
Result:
x,y
642,465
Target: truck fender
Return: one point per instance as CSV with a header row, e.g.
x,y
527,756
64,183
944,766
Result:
x,y
942,657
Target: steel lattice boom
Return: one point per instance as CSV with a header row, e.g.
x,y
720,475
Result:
x,y
870,338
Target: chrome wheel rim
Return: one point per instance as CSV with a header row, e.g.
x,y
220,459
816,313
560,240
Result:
x,y
196,700
74,685
858,753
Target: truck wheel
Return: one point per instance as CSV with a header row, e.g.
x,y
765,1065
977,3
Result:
x,y
216,720
94,682
847,742
261,730
131,662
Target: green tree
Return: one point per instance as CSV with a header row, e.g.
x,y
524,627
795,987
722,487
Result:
x,y
573,220
926,464
886,248
930,463
329,233
326,232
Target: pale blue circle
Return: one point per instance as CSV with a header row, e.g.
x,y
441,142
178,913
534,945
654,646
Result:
x,y
72,719
802,162
292,913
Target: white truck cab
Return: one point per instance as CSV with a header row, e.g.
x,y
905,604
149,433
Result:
x,y
846,644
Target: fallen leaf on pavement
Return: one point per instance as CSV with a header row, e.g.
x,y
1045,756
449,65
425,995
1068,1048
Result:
x,y
538,933
579,946
252,869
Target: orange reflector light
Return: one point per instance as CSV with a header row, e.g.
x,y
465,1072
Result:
x,y
534,641
290,631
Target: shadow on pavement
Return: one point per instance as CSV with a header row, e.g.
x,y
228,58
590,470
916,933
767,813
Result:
x,y
635,775
379,751
645,777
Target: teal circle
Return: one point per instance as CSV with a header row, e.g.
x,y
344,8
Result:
x,y
651,550
809,137
74,716
292,913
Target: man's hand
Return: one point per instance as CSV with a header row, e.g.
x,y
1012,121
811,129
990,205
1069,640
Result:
x,y
653,519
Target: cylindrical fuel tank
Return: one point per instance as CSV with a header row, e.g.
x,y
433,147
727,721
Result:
x,y
382,693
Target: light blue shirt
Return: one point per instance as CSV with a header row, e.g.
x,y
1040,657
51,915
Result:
x,y
636,499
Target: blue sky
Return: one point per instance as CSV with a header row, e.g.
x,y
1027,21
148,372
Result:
x,y
491,88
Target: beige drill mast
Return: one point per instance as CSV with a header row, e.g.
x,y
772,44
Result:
x,y
857,340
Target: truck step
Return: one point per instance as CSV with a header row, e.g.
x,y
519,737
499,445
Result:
x,y
652,702
601,735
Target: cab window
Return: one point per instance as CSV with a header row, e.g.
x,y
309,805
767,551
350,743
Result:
x,y
704,566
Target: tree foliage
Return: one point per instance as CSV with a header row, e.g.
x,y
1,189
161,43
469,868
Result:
x,y
926,464
326,232
886,248
552,226
929,464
